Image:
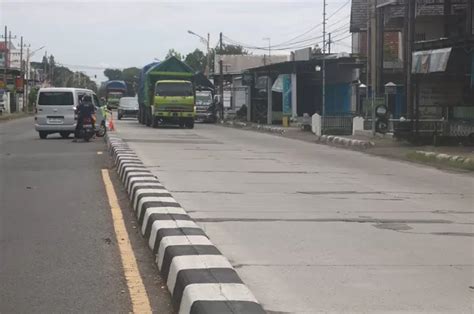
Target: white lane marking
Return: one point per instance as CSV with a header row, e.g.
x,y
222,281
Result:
x,y
143,191
163,224
160,210
179,240
194,262
214,292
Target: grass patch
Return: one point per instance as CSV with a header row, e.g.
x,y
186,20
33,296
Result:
x,y
432,160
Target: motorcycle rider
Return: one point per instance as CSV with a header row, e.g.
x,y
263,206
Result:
x,y
84,109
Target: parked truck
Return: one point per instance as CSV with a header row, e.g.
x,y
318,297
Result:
x,y
166,94
205,107
114,90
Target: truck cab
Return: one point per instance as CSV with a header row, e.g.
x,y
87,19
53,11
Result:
x,y
205,107
174,103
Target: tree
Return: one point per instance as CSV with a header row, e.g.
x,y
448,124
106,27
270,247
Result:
x,y
130,76
197,60
45,67
173,53
231,50
113,74
226,50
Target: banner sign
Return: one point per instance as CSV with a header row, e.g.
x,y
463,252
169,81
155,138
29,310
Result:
x,y
286,104
429,61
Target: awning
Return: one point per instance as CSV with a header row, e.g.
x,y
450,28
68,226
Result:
x,y
278,85
430,61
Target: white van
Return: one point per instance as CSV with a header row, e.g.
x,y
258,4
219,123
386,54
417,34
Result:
x,y
55,110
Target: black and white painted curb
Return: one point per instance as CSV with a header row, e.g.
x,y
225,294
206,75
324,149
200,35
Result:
x,y
344,141
259,127
199,278
446,157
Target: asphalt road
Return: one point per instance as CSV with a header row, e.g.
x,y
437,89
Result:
x,y
317,229
58,251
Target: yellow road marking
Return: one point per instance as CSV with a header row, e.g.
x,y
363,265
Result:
x,y
136,289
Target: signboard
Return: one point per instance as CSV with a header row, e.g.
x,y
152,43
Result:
x,y
286,104
430,61
261,83
303,54
247,79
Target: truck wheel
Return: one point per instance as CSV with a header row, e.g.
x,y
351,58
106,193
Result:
x,y
190,124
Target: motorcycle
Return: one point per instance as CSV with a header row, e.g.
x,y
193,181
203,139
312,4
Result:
x,y
87,131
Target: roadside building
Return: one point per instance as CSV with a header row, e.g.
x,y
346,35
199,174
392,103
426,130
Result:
x,y
442,58
294,88
235,92
11,81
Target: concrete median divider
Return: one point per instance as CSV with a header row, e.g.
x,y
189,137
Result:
x,y
254,126
199,278
344,141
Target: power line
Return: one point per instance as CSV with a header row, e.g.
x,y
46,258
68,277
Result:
x,y
89,67
340,8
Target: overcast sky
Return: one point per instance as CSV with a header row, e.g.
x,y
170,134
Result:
x,y
90,35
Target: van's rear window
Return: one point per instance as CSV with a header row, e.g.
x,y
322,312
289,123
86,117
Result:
x,y
56,99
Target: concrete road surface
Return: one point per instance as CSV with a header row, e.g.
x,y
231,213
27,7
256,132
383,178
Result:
x,y
58,250
316,229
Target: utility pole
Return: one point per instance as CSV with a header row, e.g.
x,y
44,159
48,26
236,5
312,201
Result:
x,y
368,57
5,62
324,67
21,72
269,49
409,38
469,19
208,68
44,66
379,49
221,74
373,58
329,44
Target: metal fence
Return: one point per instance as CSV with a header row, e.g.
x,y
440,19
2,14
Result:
x,y
340,124
428,127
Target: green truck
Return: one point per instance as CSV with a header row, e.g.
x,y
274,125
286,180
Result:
x,y
166,94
